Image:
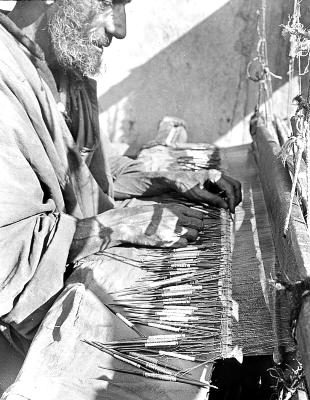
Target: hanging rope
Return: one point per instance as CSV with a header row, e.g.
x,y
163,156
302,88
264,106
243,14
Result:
x,y
292,56
299,142
258,69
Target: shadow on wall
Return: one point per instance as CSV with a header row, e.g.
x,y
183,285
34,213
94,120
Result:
x,y
201,78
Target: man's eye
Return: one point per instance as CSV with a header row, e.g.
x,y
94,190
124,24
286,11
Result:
x,y
106,3
121,1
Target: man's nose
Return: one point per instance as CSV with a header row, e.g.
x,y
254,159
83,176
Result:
x,y
118,26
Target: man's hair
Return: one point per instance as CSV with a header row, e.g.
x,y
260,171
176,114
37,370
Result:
x,y
73,45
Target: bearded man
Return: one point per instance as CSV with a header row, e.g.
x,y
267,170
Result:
x,y
57,195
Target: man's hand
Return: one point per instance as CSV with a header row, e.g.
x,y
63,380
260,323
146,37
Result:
x,y
156,225
208,186
159,225
204,186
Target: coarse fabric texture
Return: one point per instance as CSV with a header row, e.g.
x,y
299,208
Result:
x,y
50,176
253,259
44,186
59,365
263,325
58,358
47,182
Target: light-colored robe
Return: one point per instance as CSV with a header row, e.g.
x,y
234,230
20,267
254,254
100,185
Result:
x,y
44,186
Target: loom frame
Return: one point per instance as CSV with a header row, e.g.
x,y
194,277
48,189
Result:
x,y
292,250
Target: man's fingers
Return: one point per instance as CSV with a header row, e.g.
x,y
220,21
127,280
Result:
x,y
232,189
190,212
190,234
203,196
190,222
187,233
216,201
188,217
183,210
237,189
181,242
176,243
229,193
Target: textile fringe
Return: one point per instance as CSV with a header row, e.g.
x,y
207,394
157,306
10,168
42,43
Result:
x,y
185,292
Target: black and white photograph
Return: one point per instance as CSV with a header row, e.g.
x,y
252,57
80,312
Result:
x,y
154,191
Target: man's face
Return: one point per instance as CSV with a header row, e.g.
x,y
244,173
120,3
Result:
x,y
80,29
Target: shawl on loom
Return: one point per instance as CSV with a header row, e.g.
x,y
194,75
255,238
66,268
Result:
x,y
45,185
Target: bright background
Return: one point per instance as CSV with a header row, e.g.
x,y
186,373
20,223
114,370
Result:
x,y
188,58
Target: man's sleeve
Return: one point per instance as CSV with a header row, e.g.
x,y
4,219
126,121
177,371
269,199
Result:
x,y
129,177
132,180
35,236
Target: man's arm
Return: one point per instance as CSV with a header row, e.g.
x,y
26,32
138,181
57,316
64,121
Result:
x,y
205,186
144,225
35,237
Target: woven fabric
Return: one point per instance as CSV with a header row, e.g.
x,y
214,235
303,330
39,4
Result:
x,y
263,315
262,325
59,359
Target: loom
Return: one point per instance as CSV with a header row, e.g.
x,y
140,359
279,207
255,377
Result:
x,y
158,292
260,251
235,308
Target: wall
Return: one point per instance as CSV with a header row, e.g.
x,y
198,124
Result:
x,y
7,4
188,58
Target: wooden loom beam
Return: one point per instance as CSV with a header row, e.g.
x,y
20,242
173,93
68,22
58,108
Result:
x,y
293,251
